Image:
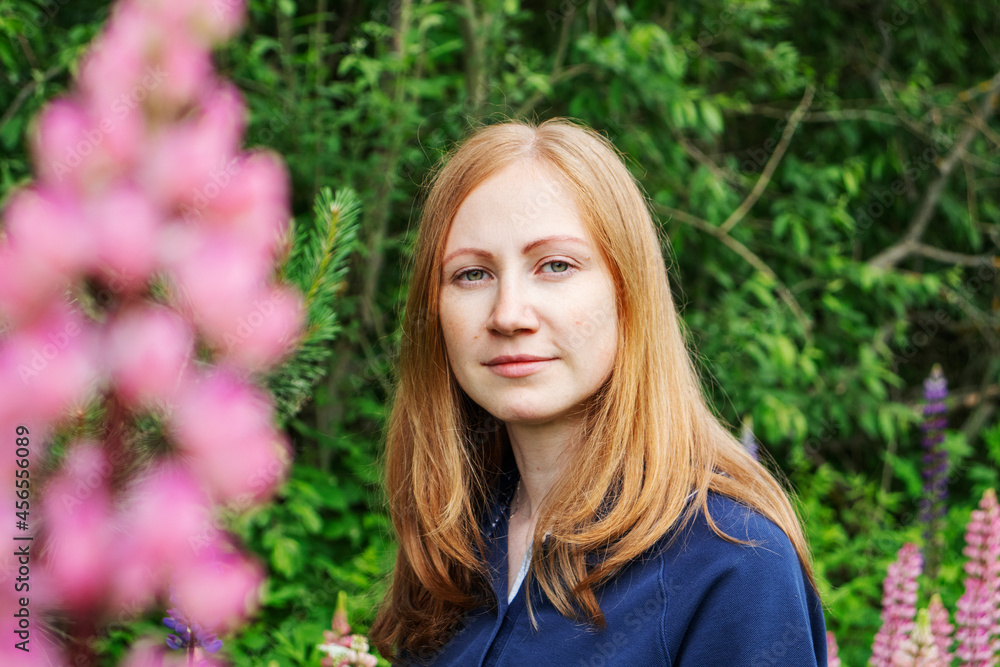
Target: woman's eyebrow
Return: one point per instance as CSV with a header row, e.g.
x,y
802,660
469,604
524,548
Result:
x,y
524,251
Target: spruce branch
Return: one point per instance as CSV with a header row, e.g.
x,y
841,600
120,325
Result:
x,y
317,264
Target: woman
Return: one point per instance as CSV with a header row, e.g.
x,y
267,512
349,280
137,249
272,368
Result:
x,y
561,493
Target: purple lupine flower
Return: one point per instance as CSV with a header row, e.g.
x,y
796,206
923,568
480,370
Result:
x,y
978,610
899,600
935,468
747,438
189,636
941,629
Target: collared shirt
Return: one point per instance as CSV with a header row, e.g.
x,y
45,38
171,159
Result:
x,y
701,602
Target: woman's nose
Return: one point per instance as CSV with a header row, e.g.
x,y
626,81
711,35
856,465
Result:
x,y
513,309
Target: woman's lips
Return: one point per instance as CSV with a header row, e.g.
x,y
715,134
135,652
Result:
x,y
519,369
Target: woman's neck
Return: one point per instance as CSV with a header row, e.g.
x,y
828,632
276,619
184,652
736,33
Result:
x,y
541,452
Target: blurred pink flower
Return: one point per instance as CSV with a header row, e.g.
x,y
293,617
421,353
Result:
x,y
217,280
27,285
190,163
148,351
268,331
161,515
76,510
186,66
51,227
219,590
69,148
117,59
255,204
226,426
125,227
48,364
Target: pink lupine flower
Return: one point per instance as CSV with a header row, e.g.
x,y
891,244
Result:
x,y
266,333
189,163
254,204
76,509
148,351
114,66
899,601
69,150
832,659
49,364
51,227
978,610
151,547
220,589
225,425
138,174
28,285
187,65
941,629
124,229
217,282
216,278
919,648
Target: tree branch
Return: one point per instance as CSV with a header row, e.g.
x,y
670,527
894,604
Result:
x,y
725,175
896,252
748,255
772,163
949,257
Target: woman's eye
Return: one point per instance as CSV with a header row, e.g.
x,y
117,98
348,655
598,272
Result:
x,y
470,272
555,269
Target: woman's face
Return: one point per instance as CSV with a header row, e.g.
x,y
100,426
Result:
x,y
522,276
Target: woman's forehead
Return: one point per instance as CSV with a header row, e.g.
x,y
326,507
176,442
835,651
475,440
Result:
x,y
520,200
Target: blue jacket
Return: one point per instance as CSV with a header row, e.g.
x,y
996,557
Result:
x,y
702,602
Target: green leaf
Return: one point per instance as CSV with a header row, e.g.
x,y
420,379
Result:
x,y
286,556
310,519
710,114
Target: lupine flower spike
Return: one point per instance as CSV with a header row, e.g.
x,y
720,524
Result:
x,y
978,610
934,469
899,601
342,648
